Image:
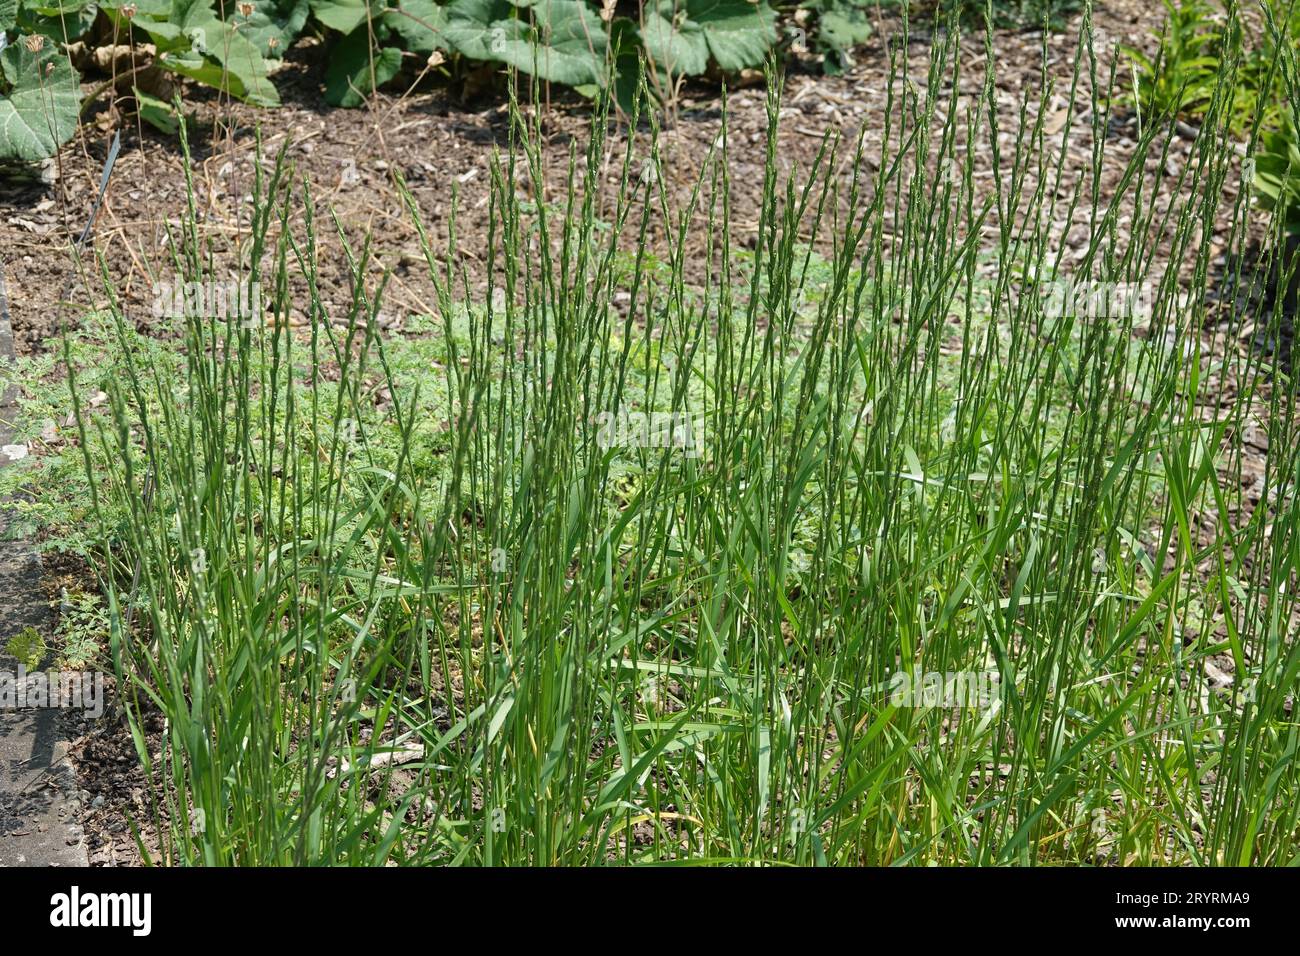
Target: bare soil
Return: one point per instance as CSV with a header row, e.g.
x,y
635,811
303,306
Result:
x,y
440,142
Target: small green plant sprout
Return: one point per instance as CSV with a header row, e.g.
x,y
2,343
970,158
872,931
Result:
x,y
27,647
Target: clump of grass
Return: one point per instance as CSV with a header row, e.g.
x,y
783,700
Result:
x,y
435,616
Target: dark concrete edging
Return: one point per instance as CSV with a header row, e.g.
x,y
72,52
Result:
x,y
38,786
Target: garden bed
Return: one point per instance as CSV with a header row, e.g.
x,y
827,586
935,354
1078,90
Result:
x,y
442,147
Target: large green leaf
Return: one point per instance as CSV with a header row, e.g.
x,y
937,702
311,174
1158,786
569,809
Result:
x,y
41,105
739,32
681,35
257,90
341,15
68,20
8,14
273,20
355,69
673,43
843,28
149,8
625,41
159,114
480,29
571,43
841,25
53,7
155,17
419,23
559,40
197,43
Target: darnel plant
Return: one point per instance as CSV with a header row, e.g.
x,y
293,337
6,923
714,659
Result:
x,y
404,607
